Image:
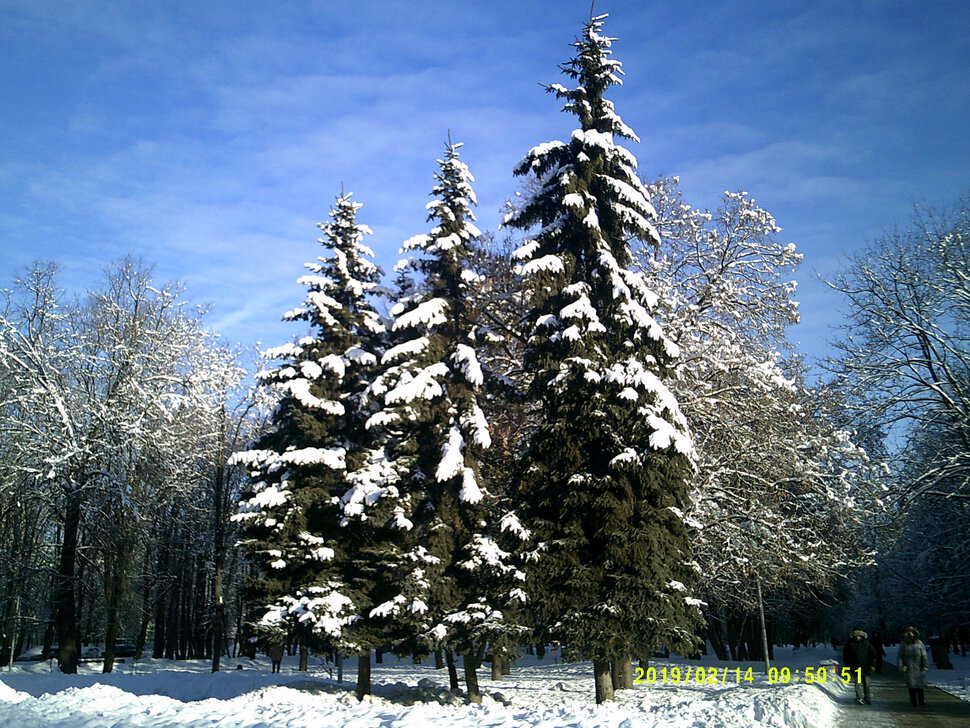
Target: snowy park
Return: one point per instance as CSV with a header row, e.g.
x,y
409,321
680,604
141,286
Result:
x,y
534,425
160,694
156,694
543,694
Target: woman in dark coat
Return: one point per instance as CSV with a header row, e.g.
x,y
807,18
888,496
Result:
x,y
913,663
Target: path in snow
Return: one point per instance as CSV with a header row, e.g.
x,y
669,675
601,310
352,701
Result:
x,y
891,707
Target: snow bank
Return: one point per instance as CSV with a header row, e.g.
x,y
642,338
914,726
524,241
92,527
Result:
x,y
536,695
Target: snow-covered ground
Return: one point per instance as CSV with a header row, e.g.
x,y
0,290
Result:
x,y
536,695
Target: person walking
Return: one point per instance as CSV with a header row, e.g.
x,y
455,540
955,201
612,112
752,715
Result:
x,y
275,653
913,663
860,657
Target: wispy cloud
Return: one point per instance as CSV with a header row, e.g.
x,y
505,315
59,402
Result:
x,y
212,140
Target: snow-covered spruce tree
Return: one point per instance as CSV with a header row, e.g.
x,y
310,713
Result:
x,y
455,585
291,514
608,470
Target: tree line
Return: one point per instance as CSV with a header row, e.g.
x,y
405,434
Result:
x,y
119,412
902,365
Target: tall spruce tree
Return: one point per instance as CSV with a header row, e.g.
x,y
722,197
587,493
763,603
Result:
x,y
456,583
606,477
291,512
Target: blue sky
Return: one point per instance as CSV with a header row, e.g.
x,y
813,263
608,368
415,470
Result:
x,y
210,137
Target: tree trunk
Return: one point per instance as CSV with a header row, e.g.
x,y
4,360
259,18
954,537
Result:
x,y
218,547
219,645
621,673
738,627
197,614
65,617
113,595
185,622
164,585
172,600
603,681
85,625
764,631
218,623
496,667
363,676
146,594
158,641
10,634
439,662
305,660
452,670
471,677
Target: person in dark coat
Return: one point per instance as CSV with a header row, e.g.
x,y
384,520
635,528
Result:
x,y
275,653
860,657
913,664
876,641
